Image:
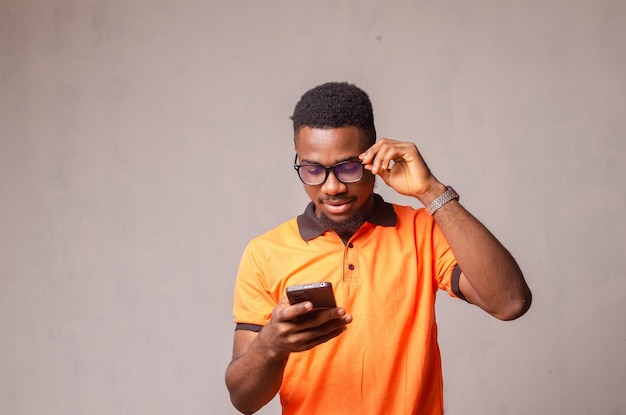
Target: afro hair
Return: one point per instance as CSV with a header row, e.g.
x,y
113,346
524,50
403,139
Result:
x,y
335,105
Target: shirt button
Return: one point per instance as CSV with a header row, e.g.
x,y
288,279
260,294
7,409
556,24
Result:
x,y
351,267
350,245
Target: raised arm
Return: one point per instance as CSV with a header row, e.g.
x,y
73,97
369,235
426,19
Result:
x,y
491,278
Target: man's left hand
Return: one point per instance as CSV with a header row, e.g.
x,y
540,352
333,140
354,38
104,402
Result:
x,y
401,166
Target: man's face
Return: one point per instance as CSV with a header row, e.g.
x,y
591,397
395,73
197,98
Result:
x,y
337,201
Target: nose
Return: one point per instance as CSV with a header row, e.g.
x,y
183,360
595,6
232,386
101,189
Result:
x,y
332,186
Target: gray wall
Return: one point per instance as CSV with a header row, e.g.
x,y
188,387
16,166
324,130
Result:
x,y
143,143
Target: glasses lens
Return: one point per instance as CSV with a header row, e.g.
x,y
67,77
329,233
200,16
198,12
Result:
x,y
312,174
349,172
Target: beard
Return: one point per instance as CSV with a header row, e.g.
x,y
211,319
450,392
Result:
x,y
345,229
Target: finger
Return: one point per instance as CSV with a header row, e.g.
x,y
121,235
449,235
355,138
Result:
x,y
384,174
318,318
368,155
383,159
388,152
290,312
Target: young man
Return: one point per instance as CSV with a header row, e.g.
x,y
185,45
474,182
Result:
x,y
377,353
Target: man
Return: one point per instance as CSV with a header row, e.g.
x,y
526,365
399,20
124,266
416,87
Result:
x,y
377,353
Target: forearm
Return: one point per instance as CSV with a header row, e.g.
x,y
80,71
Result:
x,y
495,278
490,276
255,374
254,378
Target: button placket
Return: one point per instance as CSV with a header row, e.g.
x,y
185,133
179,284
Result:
x,y
350,259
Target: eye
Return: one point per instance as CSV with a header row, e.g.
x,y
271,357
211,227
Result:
x,y
313,169
350,167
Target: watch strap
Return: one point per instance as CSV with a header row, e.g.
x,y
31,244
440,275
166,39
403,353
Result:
x,y
447,196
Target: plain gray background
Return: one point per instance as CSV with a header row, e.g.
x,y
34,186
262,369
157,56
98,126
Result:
x,y
144,142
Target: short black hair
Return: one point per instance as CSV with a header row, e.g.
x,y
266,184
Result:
x,y
335,105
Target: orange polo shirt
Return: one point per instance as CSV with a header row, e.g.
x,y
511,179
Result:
x,y
386,277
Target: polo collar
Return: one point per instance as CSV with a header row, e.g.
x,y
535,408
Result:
x,y
310,226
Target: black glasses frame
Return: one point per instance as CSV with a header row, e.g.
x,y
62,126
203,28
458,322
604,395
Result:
x,y
328,169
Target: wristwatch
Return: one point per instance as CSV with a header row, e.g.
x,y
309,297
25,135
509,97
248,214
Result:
x,y
447,196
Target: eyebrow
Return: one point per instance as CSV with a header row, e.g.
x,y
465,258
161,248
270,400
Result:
x,y
350,158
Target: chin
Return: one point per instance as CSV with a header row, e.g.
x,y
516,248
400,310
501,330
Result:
x,y
343,224
339,218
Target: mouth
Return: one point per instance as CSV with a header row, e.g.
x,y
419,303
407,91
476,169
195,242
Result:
x,y
337,207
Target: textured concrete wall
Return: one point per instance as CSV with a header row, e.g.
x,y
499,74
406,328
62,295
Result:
x,y
143,143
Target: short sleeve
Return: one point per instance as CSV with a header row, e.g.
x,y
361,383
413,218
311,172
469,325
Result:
x,y
253,302
444,261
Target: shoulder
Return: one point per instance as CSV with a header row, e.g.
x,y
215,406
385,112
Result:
x,y
285,233
413,215
287,229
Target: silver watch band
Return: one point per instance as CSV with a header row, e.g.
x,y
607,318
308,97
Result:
x,y
447,196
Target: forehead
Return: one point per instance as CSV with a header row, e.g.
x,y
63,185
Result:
x,y
328,145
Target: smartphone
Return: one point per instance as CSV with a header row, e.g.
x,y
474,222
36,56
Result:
x,y
319,293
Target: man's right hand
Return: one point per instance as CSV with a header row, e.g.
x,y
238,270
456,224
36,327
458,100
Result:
x,y
296,328
255,374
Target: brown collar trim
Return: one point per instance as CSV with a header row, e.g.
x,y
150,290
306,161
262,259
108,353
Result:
x,y
310,226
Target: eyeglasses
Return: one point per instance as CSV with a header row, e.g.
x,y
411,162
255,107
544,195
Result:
x,y
315,174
